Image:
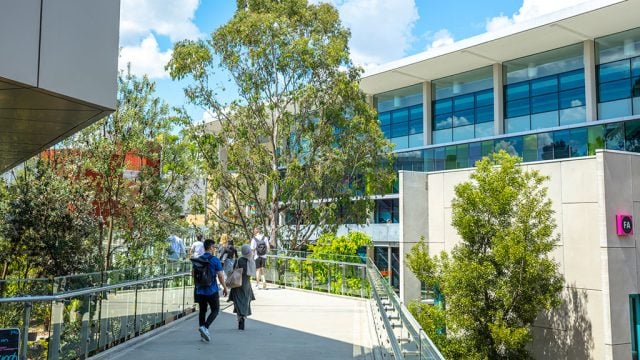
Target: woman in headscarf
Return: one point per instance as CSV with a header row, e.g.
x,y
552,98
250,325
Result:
x,y
243,295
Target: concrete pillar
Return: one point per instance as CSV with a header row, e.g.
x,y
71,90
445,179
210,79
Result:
x,y
590,89
414,218
427,114
498,100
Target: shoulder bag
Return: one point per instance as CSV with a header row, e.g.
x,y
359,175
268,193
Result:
x,y
234,279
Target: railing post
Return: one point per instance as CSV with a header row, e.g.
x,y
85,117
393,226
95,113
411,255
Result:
x,y
84,331
301,277
313,275
162,302
25,330
343,278
57,307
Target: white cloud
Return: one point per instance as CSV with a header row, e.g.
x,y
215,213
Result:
x,y
381,30
530,9
145,58
440,38
142,20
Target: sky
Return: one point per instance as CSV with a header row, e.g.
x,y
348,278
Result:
x,y
381,30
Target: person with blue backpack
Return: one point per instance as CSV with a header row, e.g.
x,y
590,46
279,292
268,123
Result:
x,y
205,270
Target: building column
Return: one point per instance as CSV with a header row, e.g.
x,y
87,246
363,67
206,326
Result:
x,y
590,89
414,217
427,115
498,100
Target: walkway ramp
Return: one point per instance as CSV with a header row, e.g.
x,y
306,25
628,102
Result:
x,y
286,324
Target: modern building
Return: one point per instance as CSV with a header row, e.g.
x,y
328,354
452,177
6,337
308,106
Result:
x,y
563,92
58,71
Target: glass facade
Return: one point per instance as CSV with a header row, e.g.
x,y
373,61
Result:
x,y
618,74
387,211
559,144
463,106
401,116
545,90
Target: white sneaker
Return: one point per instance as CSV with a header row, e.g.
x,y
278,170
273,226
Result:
x,y
204,333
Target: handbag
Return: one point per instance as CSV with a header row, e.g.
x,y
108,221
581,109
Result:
x,y
234,280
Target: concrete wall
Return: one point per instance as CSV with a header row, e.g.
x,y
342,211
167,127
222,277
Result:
x,y
600,268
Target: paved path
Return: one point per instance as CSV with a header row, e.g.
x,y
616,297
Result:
x,y
286,324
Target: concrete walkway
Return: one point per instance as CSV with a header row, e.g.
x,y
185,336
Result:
x,y
286,324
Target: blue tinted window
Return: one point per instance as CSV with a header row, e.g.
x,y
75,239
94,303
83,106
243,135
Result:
x,y
614,136
385,118
614,71
572,79
484,114
544,103
517,91
484,98
475,153
463,133
442,136
438,159
635,90
544,86
399,116
614,90
386,130
415,113
415,126
578,142
442,106
544,120
484,129
635,67
427,155
463,118
518,108
398,130
442,121
511,145
632,136
561,144
463,102
572,98
545,146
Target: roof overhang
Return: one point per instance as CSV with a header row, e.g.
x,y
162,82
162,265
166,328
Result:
x,y
586,21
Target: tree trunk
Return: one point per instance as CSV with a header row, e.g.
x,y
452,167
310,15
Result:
x,y
107,253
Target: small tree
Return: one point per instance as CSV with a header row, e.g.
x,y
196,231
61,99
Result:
x,y
500,277
300,139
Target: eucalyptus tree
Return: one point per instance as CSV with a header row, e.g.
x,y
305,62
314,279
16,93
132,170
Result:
x,y
299,141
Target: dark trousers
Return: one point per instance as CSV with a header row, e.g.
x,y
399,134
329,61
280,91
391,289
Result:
x,y
208,300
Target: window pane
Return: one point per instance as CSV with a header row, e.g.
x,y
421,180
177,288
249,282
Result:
x,y
415,113
571,98
516,91
462,156
442,136
399,130
635,67
614,90
544,103
487,147
544,85
518,108
415,127
595,135
386,130
484,130
573,115
442,106
450,157
518,124
475,153
572,79
614,109
561,144
463,133
530,148
438,159
635,87
463,118
511,145
484,98
401,142
632,135
614,136
636,105
463,102
484,114
545,146
578,142
443,121
416,140
544,120
399,116
614,71
385,118
427,155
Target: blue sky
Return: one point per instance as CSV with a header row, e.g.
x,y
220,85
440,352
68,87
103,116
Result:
x,y
382,30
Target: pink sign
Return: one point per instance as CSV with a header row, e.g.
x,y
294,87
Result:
x,y
624,224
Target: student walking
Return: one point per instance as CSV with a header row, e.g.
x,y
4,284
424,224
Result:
x,y
260,248
205,270
228,258
243,295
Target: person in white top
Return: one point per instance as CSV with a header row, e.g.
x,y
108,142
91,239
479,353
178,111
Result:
x,y
197,248
260,248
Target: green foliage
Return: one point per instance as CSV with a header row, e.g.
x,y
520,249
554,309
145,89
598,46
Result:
x,y
500,277
301,138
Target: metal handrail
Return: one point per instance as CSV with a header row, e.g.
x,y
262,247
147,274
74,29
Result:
x,y
59,297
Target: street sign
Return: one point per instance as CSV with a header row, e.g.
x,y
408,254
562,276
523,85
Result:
x,y
624,224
